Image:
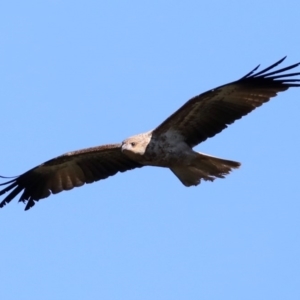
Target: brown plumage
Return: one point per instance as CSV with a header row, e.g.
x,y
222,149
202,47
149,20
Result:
x,y
169,145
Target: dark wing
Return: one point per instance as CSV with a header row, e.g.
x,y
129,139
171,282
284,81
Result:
x,y
209,113
67,171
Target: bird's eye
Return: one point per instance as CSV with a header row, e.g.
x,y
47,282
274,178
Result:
x,y
133,144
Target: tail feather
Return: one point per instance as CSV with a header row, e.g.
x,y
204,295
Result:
x,y
204,167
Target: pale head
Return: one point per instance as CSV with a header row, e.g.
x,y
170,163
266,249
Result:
x,y
136,145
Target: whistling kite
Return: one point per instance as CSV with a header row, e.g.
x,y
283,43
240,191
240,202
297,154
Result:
x,y
169,145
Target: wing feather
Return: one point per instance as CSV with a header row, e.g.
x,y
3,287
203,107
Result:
x,y
67,171
209,113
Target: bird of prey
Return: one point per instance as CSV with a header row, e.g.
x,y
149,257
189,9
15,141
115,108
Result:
x,y
169,145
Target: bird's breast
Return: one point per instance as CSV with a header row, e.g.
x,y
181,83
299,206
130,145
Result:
x,y
166,151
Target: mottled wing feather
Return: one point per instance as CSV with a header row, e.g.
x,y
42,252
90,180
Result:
x,y
67,171
209,113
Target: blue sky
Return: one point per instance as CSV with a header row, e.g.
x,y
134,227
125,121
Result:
x,y
79,74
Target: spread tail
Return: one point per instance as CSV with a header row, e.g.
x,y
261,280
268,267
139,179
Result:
x,y
204,167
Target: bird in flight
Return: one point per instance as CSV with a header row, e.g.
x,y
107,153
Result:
x,y
170,145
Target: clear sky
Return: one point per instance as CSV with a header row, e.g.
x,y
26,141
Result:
x,y
76,74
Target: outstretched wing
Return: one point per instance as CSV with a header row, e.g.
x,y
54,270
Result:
x,y
67,171
209,113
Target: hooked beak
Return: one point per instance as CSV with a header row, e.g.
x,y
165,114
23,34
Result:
x,y
123,147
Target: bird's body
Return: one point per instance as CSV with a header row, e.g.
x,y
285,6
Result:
x,y
169,145
156,150
170,150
